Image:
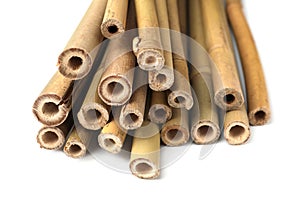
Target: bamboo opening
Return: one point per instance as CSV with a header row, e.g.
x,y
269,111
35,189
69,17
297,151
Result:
x,y
206,133
150,60
93,116
49,109
174,135
112,29
75,62
179,100
161,78
229,98
109,143
160,114
49,138
143,168
115,88
75,149
131,118
260,116
236,132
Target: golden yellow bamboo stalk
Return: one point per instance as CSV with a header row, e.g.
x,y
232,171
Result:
x,y
259,111
227,87
114,20
145,152
182,11
147,47
76,60
112,137
181,95
159,111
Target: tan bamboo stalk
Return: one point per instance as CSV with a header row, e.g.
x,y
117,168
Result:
x,y
227,87
175,132
259,111
112,137
76,60
145,152
53,138
94,113
114,20
159,111
54,103
236,126
181,95
183,20
147,47
77,143
132,113
163,79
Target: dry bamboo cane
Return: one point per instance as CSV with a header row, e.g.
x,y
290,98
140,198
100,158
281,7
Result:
x,y
54,103
132,113
227,87
205,121
259,111
112,137
94,113
182,11
147,47
77,143
159,111
175,132
145,152
114,20
163,79
53,138
75,61
181,95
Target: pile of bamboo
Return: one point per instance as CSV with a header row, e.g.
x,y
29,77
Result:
x,y
176,92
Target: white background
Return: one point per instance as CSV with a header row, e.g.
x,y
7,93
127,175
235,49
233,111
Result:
x,y
32,35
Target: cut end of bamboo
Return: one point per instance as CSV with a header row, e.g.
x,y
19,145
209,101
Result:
x,y
229,99
75,149
180,99
111,28
93,116
131,119
150,59
49,111
161,80
259,116
237,133
74,63
205,133
159,113
110,143
51,138
115,90
174,135
144,168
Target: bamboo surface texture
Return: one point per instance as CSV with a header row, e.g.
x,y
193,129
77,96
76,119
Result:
x,y
159,111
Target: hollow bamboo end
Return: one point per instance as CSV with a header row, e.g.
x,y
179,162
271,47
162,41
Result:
x,y
115,90
75,149
144,168
159,113
110,143
237,133
131,119
161,80
74,63
259,116
174,135
93,116
229,99
51,138
150,59
111,28
205,133
180,99
49,111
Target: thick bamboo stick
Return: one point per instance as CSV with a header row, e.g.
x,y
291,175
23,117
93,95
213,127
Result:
x,y
132,113
147,47
181,95
114,20
159,111
54,103
112,137
259,111
145,152
227,87
76,60
236,126
163,79
175,132
53,138
183,18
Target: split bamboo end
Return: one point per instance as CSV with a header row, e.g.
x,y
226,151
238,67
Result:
x,y
205,132
237,133
144,168
51,138
259,116
75,149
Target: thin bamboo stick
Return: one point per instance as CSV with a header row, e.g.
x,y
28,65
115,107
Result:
x,y
114,20
259,111
181,95
147,47
159,111
227,87
76,60
175,132
145,152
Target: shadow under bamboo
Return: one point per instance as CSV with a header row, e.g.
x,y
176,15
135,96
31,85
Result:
x,y
76,61
159,111
259,111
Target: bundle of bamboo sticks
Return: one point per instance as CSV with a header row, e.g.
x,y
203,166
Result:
x,y
186,83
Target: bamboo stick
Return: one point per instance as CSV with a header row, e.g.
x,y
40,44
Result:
x,y
228,92
54,103
236,126
147,47
53,138
163,79
112,137
183,18
76,60
259,111
175,132
114,20
132,113
145,152
181,95
159,111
